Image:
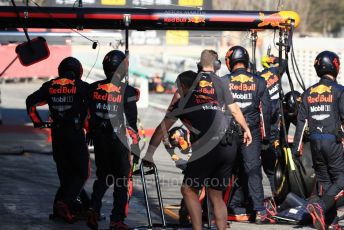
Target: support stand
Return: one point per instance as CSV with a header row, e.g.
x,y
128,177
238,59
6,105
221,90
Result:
x,y
254,38
143,174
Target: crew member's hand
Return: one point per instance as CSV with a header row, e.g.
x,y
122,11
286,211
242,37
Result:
x,y
135,137
275,144
247,137
296,153
148,161
181,164
89,139
135,151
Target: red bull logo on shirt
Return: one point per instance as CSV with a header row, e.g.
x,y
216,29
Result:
x,y
242,78
64,88
205,83
320,90
63,81
206,87
107,97
109,88
270,78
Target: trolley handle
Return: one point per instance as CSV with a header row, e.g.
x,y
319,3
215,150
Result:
x,y
154,171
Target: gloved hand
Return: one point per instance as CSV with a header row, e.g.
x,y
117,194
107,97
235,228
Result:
x,y
275,144
38,125
89,139
265,144
135,137
181,164
135,151
296,153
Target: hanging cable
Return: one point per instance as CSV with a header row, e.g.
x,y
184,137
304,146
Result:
x,y
21,21
95,62
8,66
94,42
297,72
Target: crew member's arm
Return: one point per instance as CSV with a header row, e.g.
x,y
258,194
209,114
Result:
x,y
341,107
175,98
265,112
130,107
341,111
132,96
300,126
87,125
38,98
160,132
84,112
283,67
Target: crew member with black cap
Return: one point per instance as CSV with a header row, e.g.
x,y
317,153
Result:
x,y
109,101
66,97
322,110
251,94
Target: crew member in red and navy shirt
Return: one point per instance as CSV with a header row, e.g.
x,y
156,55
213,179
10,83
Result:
x,y
66,97
110,102
251,94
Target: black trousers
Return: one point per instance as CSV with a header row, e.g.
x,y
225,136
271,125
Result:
x,y
328,163
112,158
249,185
72,161
269,156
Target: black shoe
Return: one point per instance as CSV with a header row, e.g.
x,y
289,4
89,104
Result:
x,y
62,210
120,225
92,219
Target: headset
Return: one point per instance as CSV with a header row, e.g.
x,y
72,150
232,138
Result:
x,y
216,64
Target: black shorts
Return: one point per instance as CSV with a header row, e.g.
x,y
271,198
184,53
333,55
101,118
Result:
x,y
213,170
